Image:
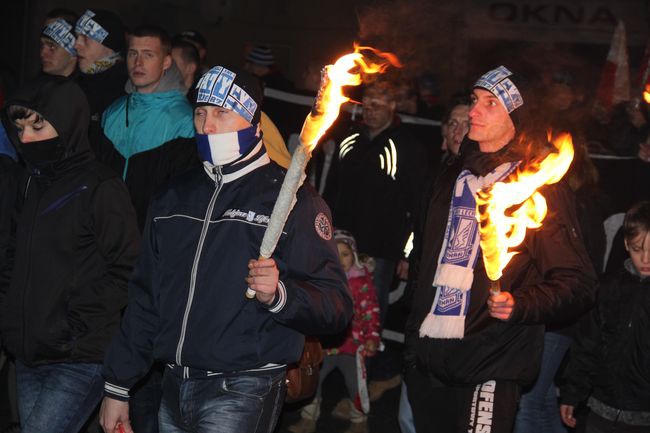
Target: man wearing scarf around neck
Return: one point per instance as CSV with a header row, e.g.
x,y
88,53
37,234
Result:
x,y
100,47
225,356
470,353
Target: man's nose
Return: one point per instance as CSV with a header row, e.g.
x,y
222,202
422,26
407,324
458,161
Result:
x,y
645,257
210,126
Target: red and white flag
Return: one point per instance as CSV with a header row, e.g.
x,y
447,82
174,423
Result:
x,y
614,86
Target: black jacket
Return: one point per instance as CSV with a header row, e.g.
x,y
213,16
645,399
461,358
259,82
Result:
x,y
551,280
103,88
186,297
9,176
76,243
610,358
379,185
148,171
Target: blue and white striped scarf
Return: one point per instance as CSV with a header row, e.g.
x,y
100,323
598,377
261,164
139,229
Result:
x,y
458,256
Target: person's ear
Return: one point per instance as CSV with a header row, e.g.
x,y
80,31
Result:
x,y
627,248
191,68
167,62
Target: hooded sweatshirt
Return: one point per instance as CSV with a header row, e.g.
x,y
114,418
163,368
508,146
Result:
x,y
76,241
149,138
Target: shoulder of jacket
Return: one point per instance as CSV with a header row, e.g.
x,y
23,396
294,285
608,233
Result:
x,y
101,172
181,184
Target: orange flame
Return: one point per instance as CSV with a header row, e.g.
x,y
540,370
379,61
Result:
x,y
346,71
646,94
501,229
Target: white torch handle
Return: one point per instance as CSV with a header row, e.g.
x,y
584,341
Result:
x,y
495,287
286,201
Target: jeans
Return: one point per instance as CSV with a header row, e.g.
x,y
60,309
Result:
x,y
405,414
539,411
382,278
57,398
230,404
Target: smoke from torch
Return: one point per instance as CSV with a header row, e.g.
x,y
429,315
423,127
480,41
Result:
x,y
346,71
502,228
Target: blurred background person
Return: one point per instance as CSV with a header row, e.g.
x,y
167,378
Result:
x,y
58,55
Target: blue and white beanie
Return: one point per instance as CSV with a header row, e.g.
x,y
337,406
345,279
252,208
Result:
x,y
261,55
231,88
61,32
103,27
511,89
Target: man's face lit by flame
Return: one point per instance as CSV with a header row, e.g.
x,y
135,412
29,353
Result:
x,y
490,123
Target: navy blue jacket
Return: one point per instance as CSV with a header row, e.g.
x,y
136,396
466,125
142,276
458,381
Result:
x,y
186,298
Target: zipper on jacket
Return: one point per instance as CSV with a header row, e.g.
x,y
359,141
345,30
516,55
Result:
x,y
29,181
29,266
218,183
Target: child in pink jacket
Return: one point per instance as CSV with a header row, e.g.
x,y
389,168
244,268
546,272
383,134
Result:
x,y
361,340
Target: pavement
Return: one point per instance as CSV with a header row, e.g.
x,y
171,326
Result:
x,y
381,419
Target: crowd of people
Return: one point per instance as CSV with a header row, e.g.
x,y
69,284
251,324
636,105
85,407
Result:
x,y
136,185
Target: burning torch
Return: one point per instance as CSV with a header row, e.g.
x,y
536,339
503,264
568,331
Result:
x,y
346,71
507,209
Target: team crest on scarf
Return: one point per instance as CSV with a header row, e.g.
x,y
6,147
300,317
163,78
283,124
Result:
x,y
464,229
458,256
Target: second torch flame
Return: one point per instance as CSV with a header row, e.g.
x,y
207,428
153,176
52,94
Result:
x,y
345,72
501,227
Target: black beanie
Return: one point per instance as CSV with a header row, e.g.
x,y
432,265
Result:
x,y
104,27
231,88
512,90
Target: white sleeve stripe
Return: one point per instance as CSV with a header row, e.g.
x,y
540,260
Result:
x,y
282,301
117,390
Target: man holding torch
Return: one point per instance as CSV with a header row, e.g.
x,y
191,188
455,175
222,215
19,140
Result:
x,y
226,355
470,349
